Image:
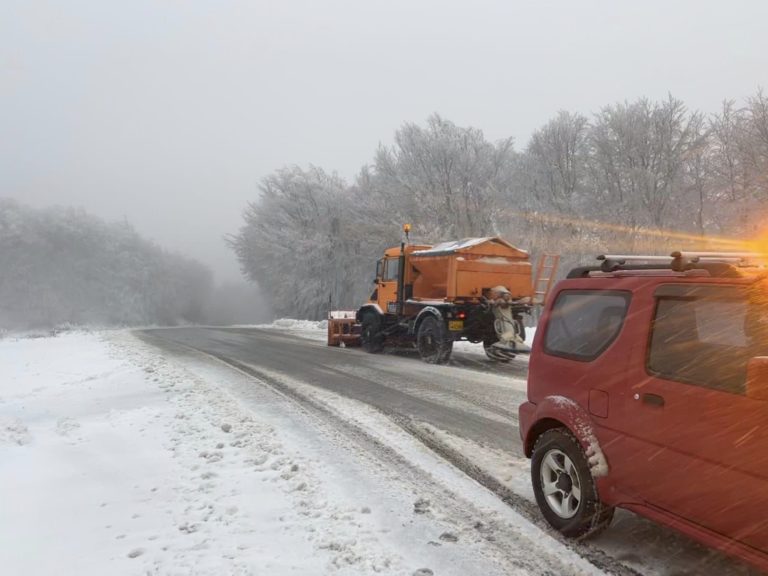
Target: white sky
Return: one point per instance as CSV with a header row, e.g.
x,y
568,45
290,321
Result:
x,y
169,112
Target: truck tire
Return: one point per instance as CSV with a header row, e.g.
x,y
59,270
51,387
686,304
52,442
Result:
x,y
433,341
370,334
564,488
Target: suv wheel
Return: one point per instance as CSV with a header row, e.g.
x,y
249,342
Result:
x,y
563,485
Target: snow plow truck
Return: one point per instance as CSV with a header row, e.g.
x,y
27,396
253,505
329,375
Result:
x,y
428,297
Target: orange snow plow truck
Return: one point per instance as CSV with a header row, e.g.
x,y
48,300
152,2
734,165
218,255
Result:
x,y
428,297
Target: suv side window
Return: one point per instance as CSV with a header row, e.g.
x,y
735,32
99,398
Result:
x,y
702,339
583,323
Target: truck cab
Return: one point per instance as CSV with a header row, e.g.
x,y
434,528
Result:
x,y
387,275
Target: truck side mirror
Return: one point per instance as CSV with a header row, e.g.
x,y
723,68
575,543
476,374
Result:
x,y
757,378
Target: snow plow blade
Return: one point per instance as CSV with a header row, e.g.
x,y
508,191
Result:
x,y
343,328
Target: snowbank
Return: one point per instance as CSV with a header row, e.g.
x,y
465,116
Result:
x,y
120,460
293,324
312,329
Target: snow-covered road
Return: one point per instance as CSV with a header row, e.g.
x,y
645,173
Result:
x,y
268,453
115,459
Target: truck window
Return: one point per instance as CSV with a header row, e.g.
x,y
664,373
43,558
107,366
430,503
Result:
x,y
703,342
392,269
583,323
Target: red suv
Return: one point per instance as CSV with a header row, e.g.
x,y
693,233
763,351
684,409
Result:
x,y
648,390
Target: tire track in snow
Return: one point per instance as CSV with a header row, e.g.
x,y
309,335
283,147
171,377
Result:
x,y
520,505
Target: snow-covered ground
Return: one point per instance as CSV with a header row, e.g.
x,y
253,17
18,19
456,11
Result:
x,y
117,460
315,329
113,461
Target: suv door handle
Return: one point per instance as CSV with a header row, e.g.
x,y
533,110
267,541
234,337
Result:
x,y
653,399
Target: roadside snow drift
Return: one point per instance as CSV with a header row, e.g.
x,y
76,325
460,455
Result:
x,y
112,462
117,460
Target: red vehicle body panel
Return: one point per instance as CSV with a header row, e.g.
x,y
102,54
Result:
x,y
689,457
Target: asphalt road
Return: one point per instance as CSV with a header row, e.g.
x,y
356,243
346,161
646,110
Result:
x,y
472,398
479,404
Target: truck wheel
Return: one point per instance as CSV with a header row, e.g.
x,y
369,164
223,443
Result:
x,y
434,342
370,334
564,488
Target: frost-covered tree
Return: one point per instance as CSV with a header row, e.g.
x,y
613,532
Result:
x,y
698,175
738,164
757,138
301,242
558,158
728,141
639,152
630,177
444,179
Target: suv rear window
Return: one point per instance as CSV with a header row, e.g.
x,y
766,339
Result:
x,y
583,323
704,338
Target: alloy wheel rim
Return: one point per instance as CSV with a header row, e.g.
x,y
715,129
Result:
x,y
560,483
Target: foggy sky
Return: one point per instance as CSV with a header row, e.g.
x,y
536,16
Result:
x,y
169,112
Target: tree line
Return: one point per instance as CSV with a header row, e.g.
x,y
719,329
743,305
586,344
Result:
x,y
63,266
636,176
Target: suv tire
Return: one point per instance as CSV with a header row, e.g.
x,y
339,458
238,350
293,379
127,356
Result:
x,y
564,488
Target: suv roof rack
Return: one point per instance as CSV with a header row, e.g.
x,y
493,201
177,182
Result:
x,y
723,264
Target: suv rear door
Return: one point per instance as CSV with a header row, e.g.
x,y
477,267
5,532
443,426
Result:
x,y
696,445
579,356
